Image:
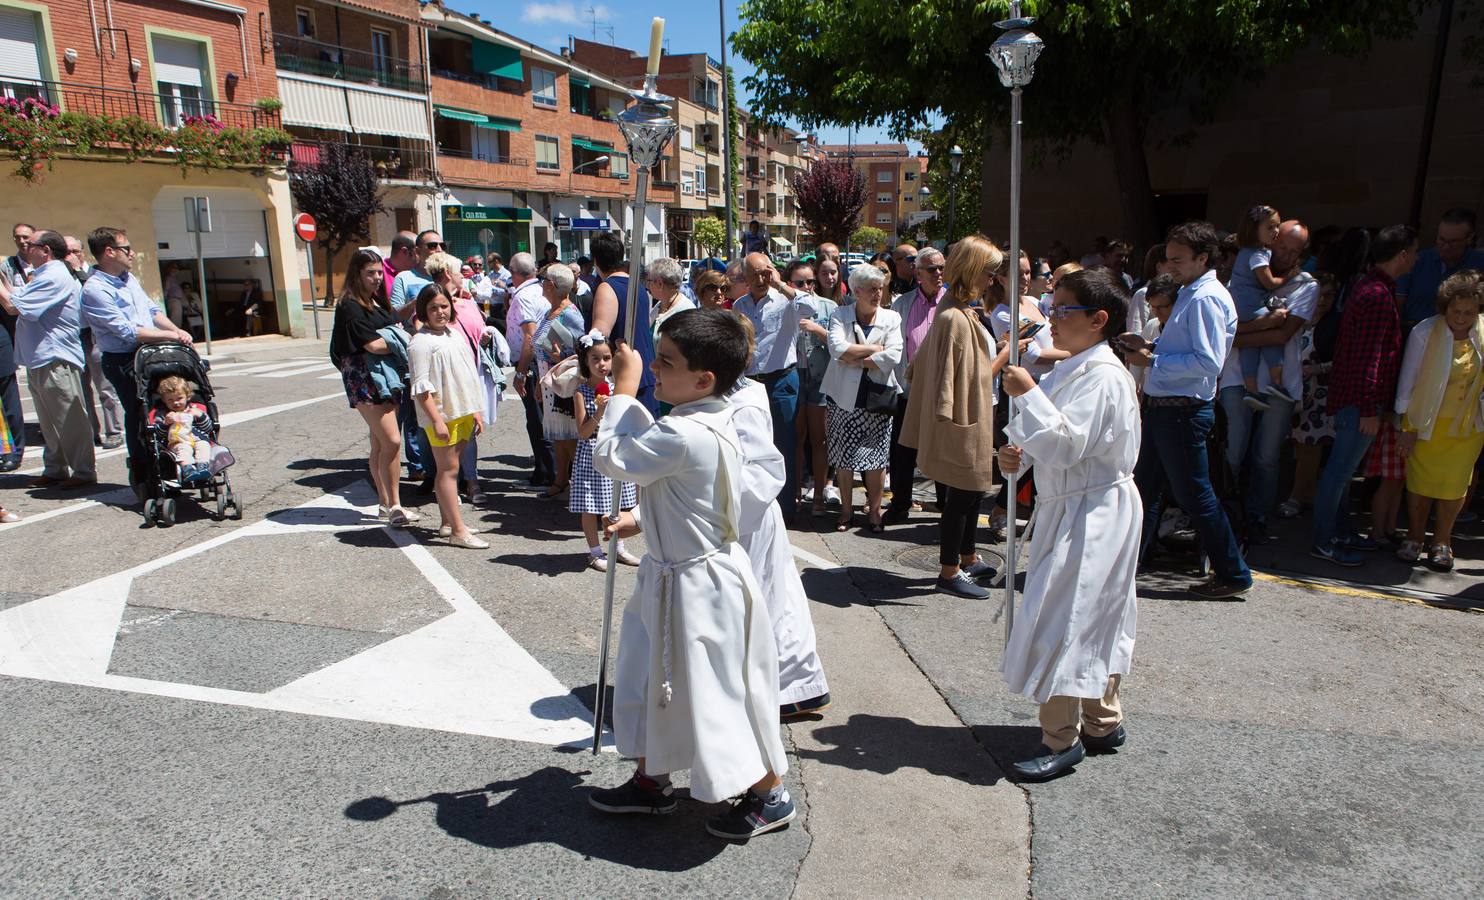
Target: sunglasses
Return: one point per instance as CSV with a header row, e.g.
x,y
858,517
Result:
x,y
433,245
937,269
803,282
125,249
1061,312
719,288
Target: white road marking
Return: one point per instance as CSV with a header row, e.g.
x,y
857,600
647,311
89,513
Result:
x,y
818,562
265,368
114,496
319,366
462,673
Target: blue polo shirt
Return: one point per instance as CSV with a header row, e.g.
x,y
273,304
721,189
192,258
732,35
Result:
x,y
1420,286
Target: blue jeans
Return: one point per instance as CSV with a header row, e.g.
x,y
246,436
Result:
x,y
1174,452
1255,440
783,401
1332,497
414,442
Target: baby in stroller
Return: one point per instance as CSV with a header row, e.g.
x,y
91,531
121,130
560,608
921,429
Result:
x,y
185,427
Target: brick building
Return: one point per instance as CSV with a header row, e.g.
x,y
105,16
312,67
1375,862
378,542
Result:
x,y
167,62
894,201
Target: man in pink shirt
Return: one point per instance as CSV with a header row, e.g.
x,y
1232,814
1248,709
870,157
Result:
x,y
917,308
402,258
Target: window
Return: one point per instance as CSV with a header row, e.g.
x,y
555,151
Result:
x,y
687,138
910,176
381,54
180,78
548,151
687,183
616,104
618,164
706,92
883,198
20,55
885,176
700,181
304,21
543,87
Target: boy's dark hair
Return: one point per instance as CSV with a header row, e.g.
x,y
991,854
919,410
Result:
x,y
607,250
1391,242
1200,237
1100,289
1247,228
711,340
102,238
429,293
582,351
1162,286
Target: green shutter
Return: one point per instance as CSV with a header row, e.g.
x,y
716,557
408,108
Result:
x,y
498,59
460,114
498,124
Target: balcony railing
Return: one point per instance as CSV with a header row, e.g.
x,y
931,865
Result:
x,y
169,110
311,57
488,82
492,159
390,163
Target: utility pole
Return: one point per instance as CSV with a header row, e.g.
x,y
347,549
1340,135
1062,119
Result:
x,y
728,145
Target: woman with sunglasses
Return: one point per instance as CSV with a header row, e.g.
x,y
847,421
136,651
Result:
x,y
814,360
710,288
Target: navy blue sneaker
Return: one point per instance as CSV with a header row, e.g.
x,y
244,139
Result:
x,y
639,794
979,569
1340,556
751,815
1358,543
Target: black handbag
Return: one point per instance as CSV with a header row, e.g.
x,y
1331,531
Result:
x,y
873,396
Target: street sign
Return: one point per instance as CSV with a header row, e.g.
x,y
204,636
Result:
x,y
304,227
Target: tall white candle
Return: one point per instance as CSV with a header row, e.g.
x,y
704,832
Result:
x,y
656,33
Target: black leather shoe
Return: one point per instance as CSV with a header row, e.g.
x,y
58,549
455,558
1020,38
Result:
x,y
1107,743
1047,764
895,516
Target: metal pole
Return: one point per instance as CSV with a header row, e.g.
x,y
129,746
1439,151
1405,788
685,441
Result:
x,y
631,307
952,209
313,305
1012,301
728,145
201,285
1430,113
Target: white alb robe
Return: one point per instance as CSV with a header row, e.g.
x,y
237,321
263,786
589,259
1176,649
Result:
x,y
765,538
695,620
1075,624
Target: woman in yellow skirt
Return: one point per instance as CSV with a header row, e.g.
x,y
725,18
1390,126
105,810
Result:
x,y
1440,405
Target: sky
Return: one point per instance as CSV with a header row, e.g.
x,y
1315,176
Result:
x,y
690,27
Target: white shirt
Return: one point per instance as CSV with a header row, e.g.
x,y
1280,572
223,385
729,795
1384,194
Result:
x,y
775,323
999,320
527,305
842,381
1301,293
442,365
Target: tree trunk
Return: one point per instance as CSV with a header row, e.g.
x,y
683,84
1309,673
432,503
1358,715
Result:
x,y
1124,130
993,179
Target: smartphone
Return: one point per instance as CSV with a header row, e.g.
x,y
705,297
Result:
x,y
1030,329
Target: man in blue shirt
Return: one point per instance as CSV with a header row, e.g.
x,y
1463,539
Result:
x,y
1418,290
48,342
775,325
1184,367
122,316
405,288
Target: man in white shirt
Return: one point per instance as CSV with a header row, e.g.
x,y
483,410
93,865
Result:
x,y
775,325
527,306
1255,440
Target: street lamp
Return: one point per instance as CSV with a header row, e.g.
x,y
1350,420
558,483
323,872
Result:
x,y
1014,54
647,128
955,162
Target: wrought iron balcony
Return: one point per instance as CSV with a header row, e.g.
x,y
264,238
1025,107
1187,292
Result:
x,y
310,57
163,109
390,163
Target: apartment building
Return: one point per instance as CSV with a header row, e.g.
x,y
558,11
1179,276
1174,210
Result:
x,y
893,184
173,64
771,158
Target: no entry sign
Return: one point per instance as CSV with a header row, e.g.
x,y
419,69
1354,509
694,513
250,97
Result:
x,y
304,227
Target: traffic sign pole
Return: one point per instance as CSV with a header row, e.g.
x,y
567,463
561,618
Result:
x,y
304,228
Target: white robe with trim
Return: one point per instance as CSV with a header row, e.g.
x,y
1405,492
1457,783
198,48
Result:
x,y
765,538
695,619
1075,624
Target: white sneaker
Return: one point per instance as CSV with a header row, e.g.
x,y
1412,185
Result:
x,y
832,496
412,515
597,563
807,495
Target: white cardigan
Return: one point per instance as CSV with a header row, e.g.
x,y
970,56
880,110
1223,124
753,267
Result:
x,y
1406,381
841,380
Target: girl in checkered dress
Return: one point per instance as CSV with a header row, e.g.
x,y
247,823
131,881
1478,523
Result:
x,y
591,494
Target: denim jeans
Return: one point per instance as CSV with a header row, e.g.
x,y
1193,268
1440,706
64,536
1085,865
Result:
x,y
1174,452
1332,498
118,368
415,448
1255,440
783,401
543,457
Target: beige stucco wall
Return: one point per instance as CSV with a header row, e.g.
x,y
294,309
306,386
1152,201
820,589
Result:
x,y
77,196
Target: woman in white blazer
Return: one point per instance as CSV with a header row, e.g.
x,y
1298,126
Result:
x,y
865,342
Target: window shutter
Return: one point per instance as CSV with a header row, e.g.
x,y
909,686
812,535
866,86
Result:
x,y
178,61
20,53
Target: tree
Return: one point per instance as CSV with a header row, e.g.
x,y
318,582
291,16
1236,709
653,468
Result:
x,y
734,157
1112,70
869,237
342,193
710,233
830,197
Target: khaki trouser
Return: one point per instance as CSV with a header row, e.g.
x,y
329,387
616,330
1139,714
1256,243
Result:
x,y
56,389
1064,718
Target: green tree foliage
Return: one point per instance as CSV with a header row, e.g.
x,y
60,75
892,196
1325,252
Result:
x,y
342,193
734,158
711,233
868,237
1112,71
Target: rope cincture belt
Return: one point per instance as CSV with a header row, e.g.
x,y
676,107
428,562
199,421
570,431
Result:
x,y
1014,564
667,587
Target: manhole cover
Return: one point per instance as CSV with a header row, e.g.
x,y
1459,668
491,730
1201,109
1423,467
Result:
x,y
926,558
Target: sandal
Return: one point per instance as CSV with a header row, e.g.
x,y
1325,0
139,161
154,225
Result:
x,y
844,524
1409,551
1440,557
875,525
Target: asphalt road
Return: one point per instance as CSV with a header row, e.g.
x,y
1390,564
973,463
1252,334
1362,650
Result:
x,y
305,702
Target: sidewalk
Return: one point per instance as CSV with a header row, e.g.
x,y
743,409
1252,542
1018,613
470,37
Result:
x,y
236,349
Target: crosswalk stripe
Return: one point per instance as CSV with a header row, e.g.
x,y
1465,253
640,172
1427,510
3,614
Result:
x,y
264,369
304,371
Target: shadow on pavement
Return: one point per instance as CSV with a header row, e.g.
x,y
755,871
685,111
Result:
x,y
550,806
842,588
546,565
884,744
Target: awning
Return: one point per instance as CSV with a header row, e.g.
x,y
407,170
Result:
x,y
498,59
782,244
498,124
579,80
445,112
592,145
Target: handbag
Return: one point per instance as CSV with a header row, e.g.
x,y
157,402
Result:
x,y
873,396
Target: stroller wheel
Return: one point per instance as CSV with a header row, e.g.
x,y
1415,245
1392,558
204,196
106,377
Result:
x,y
150,511
221,503
236,507
167,511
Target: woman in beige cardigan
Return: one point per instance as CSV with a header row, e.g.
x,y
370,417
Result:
x,y
950,414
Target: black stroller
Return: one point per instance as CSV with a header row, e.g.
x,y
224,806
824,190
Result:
x,y
153,362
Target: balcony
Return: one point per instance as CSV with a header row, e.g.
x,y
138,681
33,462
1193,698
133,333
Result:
x,y
117,103
310,57
488,82
391,163
465,167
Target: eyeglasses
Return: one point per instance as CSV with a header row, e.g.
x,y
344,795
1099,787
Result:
x,y
936,269
433,245
719,288
1061,312
803,282
125,249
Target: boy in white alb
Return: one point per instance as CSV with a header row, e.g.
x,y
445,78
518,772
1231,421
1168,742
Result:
x,y
696,685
